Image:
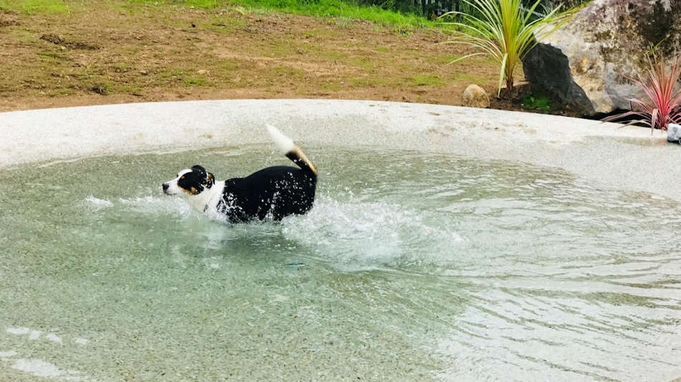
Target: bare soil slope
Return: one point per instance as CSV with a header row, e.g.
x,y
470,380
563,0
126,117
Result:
x,y
112,52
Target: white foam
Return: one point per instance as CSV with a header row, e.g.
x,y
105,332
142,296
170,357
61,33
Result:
x,y
154,204
142,204
7,354
21,331
54,338
18,331
371,235
97,203
40,368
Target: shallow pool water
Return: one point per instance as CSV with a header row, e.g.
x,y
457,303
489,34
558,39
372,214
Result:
x,y
411,266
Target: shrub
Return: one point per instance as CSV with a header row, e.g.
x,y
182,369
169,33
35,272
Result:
x,y
536,102
504,30
663,105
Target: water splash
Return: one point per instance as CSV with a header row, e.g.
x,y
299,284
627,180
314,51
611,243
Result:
x,y
364,236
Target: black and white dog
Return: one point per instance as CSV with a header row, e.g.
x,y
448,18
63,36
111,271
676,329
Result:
x,y
273,192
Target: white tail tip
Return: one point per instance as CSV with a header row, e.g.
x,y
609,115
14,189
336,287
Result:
x,y
284,143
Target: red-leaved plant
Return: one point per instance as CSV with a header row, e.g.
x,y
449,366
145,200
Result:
x,y
664,103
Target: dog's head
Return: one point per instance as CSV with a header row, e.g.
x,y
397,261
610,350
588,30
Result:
x,y
192,181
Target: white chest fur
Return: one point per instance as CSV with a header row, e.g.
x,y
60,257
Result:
x,y
207,201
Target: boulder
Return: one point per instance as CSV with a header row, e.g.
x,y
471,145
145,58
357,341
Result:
x,y
586,62
475,96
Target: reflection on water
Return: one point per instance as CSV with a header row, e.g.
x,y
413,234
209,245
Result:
x,y
410,267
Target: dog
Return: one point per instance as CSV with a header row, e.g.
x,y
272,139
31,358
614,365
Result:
x,y
271,193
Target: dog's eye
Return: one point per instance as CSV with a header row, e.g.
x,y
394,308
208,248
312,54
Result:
x,y
182,177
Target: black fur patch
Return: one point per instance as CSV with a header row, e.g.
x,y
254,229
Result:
x,y
273,192
195,181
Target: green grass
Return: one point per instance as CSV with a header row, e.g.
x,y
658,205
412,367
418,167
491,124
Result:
x,y
202,4
338,9
427,80
35,6
180,75
25,36
227,66
121,68
367,64
343,12
470,78
196,81
63,92
331,87
51,57
134,90
442,59
329,54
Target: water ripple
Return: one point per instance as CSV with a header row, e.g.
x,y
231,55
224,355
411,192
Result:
x,y
561,279
409,264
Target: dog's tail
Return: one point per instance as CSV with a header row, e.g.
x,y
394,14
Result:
x,y
291,150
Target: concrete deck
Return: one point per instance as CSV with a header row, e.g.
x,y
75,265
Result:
x,y
628,158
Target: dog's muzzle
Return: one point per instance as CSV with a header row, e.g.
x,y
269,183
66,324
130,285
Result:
x,y
165,188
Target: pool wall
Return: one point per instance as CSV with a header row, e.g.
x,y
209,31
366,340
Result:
x,y
623,157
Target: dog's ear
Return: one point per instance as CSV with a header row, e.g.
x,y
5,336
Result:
x,y
199,169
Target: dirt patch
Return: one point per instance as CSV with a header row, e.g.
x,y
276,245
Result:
x,y
115,52
8,18
59,40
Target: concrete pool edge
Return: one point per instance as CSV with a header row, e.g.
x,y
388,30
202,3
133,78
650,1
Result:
x,y
627,158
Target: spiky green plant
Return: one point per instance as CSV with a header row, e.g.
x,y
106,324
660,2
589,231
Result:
x,y
663,105
504,30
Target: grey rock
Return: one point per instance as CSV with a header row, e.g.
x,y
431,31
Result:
x,y
674,133
603,45
547,66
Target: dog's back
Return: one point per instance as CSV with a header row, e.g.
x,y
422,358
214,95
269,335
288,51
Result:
x,y
274,192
